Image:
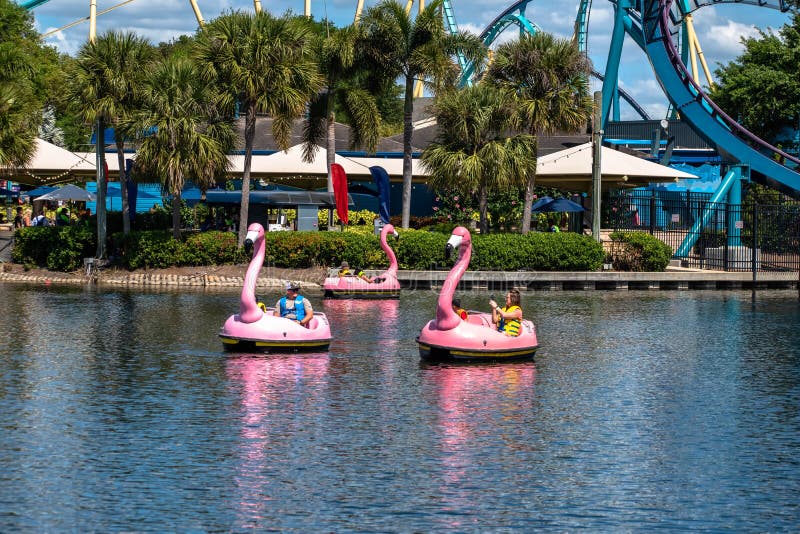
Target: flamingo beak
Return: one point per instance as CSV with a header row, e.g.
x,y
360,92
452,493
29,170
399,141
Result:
x,y
249,239
453,243
396,236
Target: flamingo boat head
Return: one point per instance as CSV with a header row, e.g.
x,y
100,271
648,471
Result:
x,y
255,329
447,336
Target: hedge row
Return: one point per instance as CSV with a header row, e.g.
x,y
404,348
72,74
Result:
x,y
63,249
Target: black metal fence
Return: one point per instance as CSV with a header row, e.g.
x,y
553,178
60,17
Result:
x,y
761,234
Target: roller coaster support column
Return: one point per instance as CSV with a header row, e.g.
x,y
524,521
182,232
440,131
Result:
x,y
732,179
610,92
734,213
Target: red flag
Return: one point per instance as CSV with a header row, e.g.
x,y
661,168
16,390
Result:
x,y
340,191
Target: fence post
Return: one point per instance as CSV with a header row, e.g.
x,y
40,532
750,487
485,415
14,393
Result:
x,y
653,212
753,262
726,230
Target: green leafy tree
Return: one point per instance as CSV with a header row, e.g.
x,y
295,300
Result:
x,y
263,64
189,139
108,86
415,49
761,88
549,79
338,65
473,152
21,83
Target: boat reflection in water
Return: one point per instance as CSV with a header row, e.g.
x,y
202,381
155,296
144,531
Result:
x,y
467,439
275,391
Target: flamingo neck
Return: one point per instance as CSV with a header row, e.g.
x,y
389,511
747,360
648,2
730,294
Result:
x,y
248,308
446,318
390,254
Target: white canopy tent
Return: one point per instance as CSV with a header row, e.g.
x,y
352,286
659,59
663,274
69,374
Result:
x,y
572,168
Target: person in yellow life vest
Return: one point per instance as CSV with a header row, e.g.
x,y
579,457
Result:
x,y
508,318
344,270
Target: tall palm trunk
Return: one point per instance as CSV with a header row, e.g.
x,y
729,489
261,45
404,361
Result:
x,y
408,128
331,146
176,212
249,137
123,184
529,194
483,208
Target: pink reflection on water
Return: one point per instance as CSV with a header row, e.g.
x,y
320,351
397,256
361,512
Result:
x,y
379,315
265,381
468,397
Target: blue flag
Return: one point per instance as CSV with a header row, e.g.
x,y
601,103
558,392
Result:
x,y
381,178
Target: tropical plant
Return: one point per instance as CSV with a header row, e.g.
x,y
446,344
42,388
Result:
x,y
473,152
20,99
338,65
263,64
111,73
549,79
414,49
187,138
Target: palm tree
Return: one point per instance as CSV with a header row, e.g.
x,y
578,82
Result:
x,y
20,105
345,89
263,63
473,153
549,78
111,74
414,49
186,137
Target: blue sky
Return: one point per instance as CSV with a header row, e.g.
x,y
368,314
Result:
x,y
719,28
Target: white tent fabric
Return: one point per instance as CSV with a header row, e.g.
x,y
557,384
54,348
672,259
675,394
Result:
x,y
291,163
617,169
51,164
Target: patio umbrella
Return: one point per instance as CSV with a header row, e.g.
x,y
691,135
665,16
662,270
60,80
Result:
x,y
541,202
39,191
69,192
560,205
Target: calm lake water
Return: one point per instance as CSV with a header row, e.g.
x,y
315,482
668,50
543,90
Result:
x,y
673,410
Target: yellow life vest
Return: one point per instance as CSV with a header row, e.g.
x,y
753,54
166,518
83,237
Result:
x,y
509,326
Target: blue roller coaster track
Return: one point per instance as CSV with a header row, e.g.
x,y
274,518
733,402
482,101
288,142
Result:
x,y
654,25
514,15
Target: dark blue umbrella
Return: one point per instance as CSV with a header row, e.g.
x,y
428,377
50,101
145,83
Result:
x,y
39,191
560,205
541,202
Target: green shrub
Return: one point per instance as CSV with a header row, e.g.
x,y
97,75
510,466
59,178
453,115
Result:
x,y
59,248
640,252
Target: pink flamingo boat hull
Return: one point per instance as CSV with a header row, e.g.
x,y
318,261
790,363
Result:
x,y
451,338
254,329
354,287
276,334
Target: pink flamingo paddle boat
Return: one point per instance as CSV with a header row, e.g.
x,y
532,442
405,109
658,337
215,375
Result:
x,y
449,337
386,285
254,328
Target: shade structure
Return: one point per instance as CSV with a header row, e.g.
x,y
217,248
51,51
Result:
x,y
541,202
573,167
39,191
69,193
559,205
